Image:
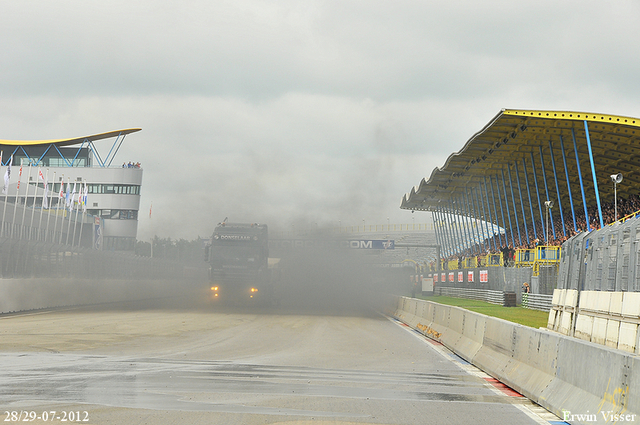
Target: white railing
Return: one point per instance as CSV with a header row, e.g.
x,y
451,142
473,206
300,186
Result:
x,y
486,295
537,301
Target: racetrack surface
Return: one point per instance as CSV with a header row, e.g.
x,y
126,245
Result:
x,y
178,362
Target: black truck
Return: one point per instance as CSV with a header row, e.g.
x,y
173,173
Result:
x,y
239,264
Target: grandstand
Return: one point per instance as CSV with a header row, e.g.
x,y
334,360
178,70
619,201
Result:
x,y
532,175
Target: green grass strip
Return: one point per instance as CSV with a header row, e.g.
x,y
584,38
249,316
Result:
x,y
524,316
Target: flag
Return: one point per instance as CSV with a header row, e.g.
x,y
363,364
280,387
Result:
x,y
67,200
150,207
84,198
73,197
7,176
19,179
80,196
61,194
45,197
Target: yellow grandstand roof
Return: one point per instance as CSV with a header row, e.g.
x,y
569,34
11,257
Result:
x,y
68,142
514,137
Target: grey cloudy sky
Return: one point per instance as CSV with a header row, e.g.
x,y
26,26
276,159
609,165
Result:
x,y
295,113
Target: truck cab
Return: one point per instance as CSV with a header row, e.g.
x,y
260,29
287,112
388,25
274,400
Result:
x,y
238,254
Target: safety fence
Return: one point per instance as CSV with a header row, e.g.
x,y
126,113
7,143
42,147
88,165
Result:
x,y
607,259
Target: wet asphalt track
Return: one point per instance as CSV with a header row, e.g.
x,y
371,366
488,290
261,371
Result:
x,y
166,364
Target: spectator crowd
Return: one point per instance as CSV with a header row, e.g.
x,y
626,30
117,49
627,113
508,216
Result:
x,y
503,243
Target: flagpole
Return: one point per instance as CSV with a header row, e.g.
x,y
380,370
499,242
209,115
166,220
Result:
x,y
26,197
43,204
70,205
75,226
64,209
55,226
83,197
46,235
7,179
15,205
33,207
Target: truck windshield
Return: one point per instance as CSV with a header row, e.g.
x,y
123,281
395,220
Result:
x,y
229,253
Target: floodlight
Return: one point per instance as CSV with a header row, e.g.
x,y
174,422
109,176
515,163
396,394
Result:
x,y
616,178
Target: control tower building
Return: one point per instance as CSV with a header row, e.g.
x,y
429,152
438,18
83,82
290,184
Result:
x,y
107,192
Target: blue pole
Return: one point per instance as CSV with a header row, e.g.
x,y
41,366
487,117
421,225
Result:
x,y
526,180
478,221
471,223
496,211
437,224
460,213
447,227
454,231
493,229
506,202
584,201
447,238
435,228
442,238
546,191
464,225
484,219
535,179
555,177
474,228
566,173
455,226
524,216
504,223
515,210
593,172
472,245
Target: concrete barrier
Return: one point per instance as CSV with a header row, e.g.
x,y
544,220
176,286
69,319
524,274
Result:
x,y
469,339
577,380
584,327
632,394
590,380
38,293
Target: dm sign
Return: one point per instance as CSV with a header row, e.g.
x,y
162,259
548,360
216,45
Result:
x,y
372,244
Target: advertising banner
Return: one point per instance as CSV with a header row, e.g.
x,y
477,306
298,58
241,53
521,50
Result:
x,y
484,276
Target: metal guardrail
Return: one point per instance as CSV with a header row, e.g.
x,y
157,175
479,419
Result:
x,y
525,257
487,295
541,302
495,260
531,301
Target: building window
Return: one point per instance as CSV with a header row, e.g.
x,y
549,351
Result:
x,y
115,214
120,189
